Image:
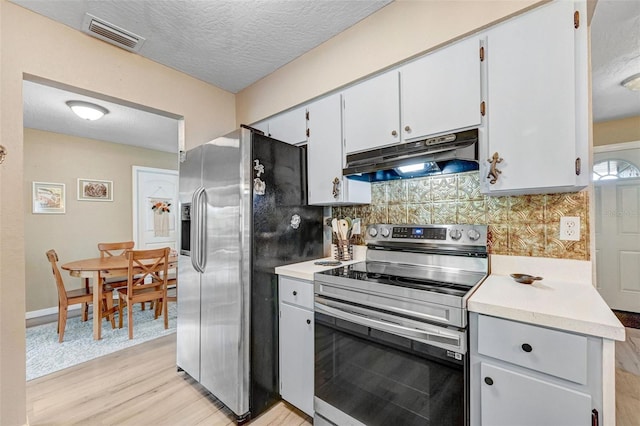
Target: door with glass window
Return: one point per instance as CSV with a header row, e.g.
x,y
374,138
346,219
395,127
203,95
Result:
x,y
616,175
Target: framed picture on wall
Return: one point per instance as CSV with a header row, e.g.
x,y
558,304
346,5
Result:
x,y
95,190
48,198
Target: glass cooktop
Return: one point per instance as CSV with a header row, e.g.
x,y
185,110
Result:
x,y
434,279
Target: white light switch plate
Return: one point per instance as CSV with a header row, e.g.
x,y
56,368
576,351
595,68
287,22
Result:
x,y
570,228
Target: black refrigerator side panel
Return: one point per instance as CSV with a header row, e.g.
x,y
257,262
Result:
x,y
284,231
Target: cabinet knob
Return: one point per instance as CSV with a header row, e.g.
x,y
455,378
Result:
x,y
394,133
526,347
308,321
295,293
407,129
488,380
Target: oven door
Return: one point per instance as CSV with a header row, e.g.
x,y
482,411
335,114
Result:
x,y
371,369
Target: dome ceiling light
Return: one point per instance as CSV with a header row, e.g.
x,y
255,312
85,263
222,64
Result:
x,y
87,110
632,83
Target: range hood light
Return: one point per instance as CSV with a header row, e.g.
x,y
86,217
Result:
x,y
411,168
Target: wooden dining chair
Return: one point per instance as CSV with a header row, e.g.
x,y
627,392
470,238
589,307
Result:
x,y
115,249
70,297
172,292
113,283
146,282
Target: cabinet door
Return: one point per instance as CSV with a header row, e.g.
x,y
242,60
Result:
x,y
325,157
508,398
441,92
534,89
290,126
296,357
324,150
372,113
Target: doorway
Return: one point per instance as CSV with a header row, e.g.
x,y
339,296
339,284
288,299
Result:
x,y
155,203
616,177
56,152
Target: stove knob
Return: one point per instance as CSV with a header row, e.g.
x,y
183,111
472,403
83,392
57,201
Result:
x,y
455,234
373,232
473,235
384,232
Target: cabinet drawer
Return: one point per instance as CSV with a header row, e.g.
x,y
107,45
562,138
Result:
x,y
553,352
296,292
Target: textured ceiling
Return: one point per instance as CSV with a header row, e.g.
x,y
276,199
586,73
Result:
x,y
228,43
232,44
615,55
45,109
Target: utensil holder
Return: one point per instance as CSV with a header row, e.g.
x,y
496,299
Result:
x,y
342,250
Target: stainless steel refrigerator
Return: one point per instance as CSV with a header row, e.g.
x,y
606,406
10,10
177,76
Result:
x,y
243,210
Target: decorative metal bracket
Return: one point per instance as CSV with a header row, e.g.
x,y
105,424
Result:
x,y
336,187
3,153
295,221
259,186
493,170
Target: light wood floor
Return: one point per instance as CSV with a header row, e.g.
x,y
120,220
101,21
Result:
x,y
136,386
140,386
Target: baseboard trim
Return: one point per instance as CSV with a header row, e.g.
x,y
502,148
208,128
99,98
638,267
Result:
x,y
48,311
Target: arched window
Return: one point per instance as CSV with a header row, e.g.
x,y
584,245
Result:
x,y
614,169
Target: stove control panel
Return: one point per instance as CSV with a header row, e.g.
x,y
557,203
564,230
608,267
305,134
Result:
x,y
475,235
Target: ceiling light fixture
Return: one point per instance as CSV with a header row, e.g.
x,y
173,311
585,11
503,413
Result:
x,y
632,83
87,110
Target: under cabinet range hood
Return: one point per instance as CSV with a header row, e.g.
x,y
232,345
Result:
x,y
450,153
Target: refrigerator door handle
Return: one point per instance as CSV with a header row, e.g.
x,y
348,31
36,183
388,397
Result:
x,y
196,239
202,245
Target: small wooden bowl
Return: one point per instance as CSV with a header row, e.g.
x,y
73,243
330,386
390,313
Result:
x,y
525,278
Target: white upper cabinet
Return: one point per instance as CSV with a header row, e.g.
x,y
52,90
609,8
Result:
x,y
263,126
537,88
372,113
436,94
290,126
325,182
441,91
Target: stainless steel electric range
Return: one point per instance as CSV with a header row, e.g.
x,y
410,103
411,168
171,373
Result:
x,y
391,332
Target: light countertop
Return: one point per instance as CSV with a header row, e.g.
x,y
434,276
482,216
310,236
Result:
x,y
305,270
556,301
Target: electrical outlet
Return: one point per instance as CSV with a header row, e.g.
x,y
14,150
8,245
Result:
x,y
570,228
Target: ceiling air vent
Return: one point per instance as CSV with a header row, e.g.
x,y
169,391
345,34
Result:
x,y
110,33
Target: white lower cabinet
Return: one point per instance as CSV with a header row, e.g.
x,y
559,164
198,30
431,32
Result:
x,y
296,342
527,375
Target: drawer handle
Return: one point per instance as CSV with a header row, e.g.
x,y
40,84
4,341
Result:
x,y
308,321
295,293
526,347
488,380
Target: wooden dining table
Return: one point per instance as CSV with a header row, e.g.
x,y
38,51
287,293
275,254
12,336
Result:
x,y
97,269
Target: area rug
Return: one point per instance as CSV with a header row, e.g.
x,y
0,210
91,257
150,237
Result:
x,y
628,319
45,355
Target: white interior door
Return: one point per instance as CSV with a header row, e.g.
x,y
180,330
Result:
x,y
617,229
155,206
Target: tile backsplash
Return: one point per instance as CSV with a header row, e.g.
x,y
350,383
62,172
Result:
x,y
526,225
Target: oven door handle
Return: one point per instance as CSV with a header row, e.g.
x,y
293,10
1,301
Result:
x,y
362,319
